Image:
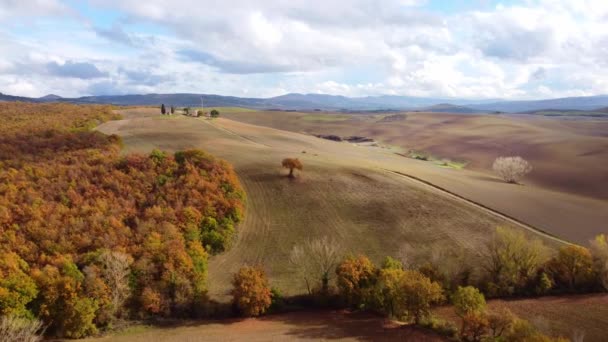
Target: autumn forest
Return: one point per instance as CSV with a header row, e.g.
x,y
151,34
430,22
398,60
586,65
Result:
x,y
88,234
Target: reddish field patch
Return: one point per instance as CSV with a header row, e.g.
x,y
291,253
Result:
x,y
295,326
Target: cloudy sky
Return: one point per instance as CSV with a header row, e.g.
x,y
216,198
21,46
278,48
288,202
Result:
x,y
475,49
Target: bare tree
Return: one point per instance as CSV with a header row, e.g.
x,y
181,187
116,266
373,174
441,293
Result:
x,y
452,265
316,260
578,336
511,169
15,329
115,272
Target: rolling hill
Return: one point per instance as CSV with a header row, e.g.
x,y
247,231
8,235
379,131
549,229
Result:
x,y
566,103
362,196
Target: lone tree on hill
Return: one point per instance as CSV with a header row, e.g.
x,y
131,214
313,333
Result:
x,y
215,113
163,111
291,164
511,169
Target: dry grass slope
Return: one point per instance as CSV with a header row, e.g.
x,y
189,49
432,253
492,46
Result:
x,y
568,154
564,195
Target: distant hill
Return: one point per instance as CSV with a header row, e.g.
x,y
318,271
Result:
x,y
50,98
312,102
386,102
11,98
450,108
566,103
570,113
187,100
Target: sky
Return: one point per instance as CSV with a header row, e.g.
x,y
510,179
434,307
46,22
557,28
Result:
x,y
477,49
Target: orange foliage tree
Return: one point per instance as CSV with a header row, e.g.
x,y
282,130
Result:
x,y
251,293
291,164
356,277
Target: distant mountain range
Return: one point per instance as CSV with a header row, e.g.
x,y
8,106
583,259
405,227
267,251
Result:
x,y
311,102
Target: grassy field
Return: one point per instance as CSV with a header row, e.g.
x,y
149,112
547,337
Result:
x,y
568,154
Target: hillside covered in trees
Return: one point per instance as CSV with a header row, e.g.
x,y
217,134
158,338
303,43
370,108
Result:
x,y
88,235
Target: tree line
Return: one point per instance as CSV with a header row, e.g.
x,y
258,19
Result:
x,y
188,111
406,288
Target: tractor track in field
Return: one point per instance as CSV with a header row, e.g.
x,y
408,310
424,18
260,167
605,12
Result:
x,y
478,205
226,130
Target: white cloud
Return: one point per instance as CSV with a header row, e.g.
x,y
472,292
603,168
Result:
x,y
12,8
538,48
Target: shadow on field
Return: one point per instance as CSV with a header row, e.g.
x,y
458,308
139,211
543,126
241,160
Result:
x,y
330,325
488,179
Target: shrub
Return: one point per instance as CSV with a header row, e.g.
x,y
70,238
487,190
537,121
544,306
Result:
x,y
356,279
277,301
524,331
572,268
251,293
500,321
599,250
15,329
151,300
468,300
474,326
214,113
511,169
388,294
17,288
442,327
390,263
418,294
512,261
544,284
469,305
63,305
